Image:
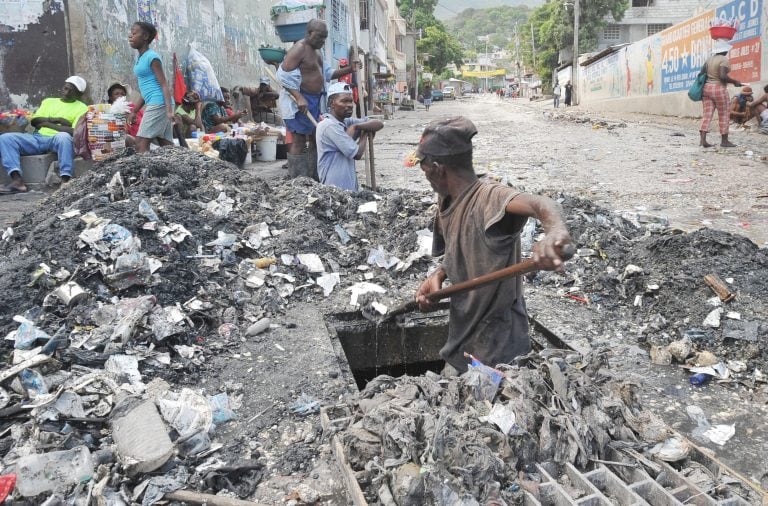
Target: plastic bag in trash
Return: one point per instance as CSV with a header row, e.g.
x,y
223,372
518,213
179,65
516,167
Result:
x,y
232,150
482,380
27,334
222,412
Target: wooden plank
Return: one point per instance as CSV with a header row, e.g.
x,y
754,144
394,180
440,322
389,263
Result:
x,y
353,487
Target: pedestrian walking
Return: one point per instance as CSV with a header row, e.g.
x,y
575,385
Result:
x,y
556,93
427,95
568,93
157,123
715,95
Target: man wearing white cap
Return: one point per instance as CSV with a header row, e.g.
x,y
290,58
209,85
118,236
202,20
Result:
x,y
54,121
715,95
342,139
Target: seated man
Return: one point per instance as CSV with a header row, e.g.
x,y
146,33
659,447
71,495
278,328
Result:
x,y
342,139
215,117
263,102
54,121
759,107
188,114
741,112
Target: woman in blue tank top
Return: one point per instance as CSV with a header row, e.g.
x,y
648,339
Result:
x,y
155,95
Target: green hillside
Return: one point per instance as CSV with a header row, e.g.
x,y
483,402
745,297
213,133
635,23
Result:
x,y
447,9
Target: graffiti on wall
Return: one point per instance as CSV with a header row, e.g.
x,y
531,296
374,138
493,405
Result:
x,y
227,32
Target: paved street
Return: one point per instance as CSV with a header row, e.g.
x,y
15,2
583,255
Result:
x,y
652,163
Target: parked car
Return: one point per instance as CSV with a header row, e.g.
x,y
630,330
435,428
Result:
x,y
449,92
437,95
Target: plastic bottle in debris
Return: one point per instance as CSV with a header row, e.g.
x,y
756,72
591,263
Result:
x,y
146,211
44,472
700,379
33,383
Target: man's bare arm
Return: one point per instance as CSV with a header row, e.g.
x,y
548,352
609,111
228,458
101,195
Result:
x,y
546,252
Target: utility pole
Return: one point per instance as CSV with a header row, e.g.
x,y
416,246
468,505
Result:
x,y
517,51
576,13
533,48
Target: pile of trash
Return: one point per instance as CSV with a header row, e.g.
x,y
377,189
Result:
x,y
475,439
115,292
631,266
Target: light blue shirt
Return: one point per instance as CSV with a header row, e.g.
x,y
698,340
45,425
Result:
x,y
336,152
148,85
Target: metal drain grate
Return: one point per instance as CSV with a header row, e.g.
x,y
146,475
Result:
x,y
603,487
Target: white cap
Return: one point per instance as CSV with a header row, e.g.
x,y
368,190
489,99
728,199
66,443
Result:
x,y
721,46
77,81
337,88
264,80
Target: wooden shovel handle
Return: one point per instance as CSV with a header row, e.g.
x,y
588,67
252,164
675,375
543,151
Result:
x,y
524,267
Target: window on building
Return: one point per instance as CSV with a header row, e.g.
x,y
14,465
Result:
x,y
612,32
399,43
657,27
363,14
642,3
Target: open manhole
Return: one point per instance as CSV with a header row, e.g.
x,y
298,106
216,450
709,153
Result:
x,y
408,346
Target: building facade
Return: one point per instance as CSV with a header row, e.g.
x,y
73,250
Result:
x,y
644,18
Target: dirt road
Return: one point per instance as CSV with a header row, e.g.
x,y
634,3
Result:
x,y
636,162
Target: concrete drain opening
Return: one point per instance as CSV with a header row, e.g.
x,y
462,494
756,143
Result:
x,y
411,346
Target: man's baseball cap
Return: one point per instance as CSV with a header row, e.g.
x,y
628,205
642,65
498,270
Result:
x,y
78,82
746,90
264,80
444,137
337,88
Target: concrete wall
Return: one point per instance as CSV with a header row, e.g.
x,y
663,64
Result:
x,y
227,32
654,74
44,41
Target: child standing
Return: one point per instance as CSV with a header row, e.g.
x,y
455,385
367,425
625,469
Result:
x,y
157,122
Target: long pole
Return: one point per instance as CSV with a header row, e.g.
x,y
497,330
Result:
x,y
370,174
533,48
576,14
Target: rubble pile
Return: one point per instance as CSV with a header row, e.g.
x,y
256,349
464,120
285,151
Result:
x,y
475,439
115,293
653,277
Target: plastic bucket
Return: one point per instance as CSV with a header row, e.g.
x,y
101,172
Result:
x,y
266,149
722,32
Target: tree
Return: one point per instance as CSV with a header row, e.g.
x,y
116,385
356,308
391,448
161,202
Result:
x,y
553,29
419,13
498,23
441,47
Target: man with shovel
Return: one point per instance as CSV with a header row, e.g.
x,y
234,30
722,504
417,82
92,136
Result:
x,y
477,228
303,76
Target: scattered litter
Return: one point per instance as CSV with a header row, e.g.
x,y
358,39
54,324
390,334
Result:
x,y
328,282
311,261
713,318
362,288
305,405
258,327
368,207
720,434
69,214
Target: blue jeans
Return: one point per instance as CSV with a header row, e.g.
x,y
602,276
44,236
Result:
x,y
14,145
